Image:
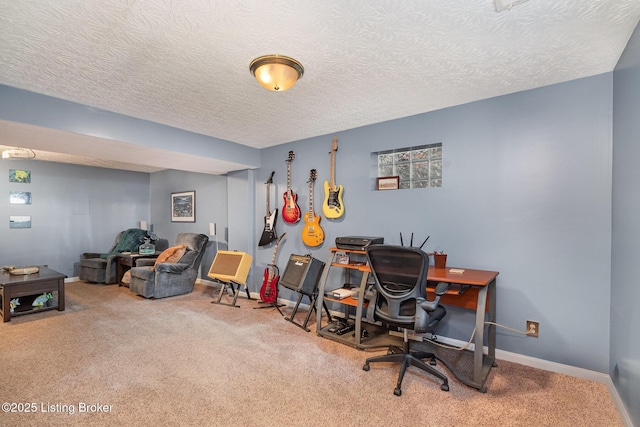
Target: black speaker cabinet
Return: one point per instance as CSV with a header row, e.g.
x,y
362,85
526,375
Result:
x,y
302,274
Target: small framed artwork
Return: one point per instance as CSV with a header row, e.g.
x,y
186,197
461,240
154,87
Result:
x,y
18,175
20,197
183,206
388,183
18,221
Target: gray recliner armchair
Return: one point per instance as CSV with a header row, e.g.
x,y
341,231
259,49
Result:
x,y
102,267
165,279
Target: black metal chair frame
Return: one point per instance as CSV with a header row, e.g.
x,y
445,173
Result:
x,y
404,354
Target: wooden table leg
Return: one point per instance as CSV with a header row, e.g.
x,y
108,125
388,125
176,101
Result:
x,y
60,294
6,307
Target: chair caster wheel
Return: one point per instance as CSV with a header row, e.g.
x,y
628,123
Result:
x,y
397,392
365,367
432,362
444,387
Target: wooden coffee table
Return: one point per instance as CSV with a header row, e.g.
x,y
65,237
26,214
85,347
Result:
x,y
17,286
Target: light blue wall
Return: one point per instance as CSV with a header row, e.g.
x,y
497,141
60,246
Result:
x,y
74,209
624,366
211,207
78,209
240,234
526,191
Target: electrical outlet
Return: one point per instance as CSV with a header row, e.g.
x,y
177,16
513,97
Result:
x,y
533,329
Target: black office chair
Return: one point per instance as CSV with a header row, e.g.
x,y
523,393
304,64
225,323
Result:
x,y
400,275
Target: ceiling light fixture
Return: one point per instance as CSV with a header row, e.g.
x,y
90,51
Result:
x,y
276,72
18,153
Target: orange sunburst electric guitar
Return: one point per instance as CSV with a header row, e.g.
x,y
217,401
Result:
x,y
333,207
312,233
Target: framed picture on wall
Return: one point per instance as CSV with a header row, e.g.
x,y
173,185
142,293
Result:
x,y
20,197
19,221
18,175
388,183
183,206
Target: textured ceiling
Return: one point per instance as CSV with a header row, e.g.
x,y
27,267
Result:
x,y
185,63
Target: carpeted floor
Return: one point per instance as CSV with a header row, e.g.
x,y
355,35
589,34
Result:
x,y
113,358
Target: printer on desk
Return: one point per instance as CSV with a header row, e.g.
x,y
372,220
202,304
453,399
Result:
x,y
357,243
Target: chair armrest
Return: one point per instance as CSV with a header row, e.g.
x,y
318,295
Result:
x,y
89,255
145,262
372,296
175,268
429,313
441,289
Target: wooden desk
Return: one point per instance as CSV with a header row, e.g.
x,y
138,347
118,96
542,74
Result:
x,y
469,290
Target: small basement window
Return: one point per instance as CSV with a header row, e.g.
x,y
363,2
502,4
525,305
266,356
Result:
x,y
417,167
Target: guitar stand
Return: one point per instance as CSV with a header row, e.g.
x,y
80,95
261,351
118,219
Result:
x,y
236,292
312,299
270,305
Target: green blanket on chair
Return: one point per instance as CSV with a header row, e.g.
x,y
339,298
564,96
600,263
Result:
x,y
129,242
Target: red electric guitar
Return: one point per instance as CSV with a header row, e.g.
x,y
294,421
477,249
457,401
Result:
x,y
269,289
290,210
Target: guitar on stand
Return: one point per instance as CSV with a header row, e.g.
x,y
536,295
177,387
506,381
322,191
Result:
x,y
312,233
290,211
269,233
269,289
333,207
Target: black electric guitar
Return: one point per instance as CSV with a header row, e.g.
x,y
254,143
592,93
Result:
x,y
269,233
269,289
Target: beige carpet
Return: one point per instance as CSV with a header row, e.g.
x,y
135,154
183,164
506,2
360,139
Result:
x,y
185,361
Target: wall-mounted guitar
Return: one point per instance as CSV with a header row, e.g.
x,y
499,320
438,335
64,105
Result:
x,y
269,233
269,289
290,211
312,233
333,207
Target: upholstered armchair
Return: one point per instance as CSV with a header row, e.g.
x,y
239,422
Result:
x,y
102,267
174,272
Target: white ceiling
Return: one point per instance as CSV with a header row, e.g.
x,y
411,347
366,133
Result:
x,y
185,63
